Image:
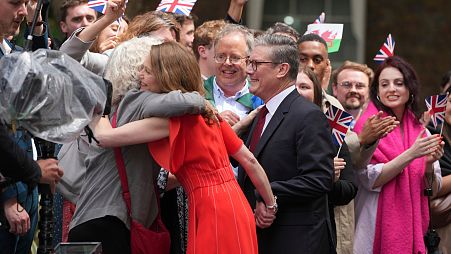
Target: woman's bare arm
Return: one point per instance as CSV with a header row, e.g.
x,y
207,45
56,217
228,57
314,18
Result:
x,y
256,173
137,132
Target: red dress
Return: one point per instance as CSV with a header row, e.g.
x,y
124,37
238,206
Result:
x,y
220,218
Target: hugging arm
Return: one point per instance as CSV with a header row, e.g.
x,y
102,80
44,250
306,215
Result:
x,y
137,132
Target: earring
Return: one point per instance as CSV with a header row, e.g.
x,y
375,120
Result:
x,y
377,97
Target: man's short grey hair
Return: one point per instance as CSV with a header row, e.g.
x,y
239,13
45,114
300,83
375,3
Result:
x,y
123,66
282,50
233,28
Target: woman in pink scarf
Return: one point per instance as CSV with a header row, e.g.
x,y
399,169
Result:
x,y
391,211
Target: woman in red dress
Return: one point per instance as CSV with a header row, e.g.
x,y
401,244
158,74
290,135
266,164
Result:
x,y
197,153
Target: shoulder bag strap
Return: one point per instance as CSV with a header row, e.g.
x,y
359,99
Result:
x,y
123,175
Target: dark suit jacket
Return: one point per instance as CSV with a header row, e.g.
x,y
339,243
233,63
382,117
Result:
x,y
296,152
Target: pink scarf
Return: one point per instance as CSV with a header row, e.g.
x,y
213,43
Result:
x,y
402,213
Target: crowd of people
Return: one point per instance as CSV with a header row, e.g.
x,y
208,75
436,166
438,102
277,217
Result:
x,y
221,131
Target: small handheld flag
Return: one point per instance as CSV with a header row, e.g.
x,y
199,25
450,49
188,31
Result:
x,y
176,6
339,121
387,50
98,5
436,105
331,33
320,19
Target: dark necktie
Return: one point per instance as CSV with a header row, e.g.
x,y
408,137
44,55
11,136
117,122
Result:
x,y
258,128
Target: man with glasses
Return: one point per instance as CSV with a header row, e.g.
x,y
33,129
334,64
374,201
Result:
x,y
291,140
228,90
351,86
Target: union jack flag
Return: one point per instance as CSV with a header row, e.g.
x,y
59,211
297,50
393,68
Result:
x,y
98,5
320,19
339,121
176,6
387,50
436,107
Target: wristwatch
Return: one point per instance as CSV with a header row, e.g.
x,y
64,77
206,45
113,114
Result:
x,y
274,206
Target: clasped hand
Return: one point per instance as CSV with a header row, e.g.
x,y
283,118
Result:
x,y
263,217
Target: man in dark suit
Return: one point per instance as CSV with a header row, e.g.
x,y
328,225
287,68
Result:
x,y
296,151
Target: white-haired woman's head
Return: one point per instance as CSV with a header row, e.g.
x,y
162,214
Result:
x,y
123,66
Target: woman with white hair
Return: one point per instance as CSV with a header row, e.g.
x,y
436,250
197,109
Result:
x,y
101,213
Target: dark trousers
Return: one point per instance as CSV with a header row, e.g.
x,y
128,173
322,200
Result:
x,y
109,230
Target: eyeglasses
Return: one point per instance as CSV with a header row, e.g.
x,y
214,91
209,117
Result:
x,y
348,85
220,59
255,63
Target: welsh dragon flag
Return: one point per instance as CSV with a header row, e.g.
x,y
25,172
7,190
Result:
x,y
331,33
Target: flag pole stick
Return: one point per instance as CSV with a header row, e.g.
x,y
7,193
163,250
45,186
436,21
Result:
x,y
118,28
339,149
441,129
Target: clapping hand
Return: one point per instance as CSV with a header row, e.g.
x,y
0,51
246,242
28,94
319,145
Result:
x,y
377,127
430,146
436,153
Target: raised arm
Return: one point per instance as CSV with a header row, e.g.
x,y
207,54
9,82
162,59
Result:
x,y
40,33
137,132
78,44
115,9
235,11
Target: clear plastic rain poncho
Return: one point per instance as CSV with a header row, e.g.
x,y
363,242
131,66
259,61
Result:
x,y
49,94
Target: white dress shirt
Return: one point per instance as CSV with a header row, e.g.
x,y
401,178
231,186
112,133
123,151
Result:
x,y
224,103
274,103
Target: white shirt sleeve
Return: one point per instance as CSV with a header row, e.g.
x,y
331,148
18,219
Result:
x,y
368,176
